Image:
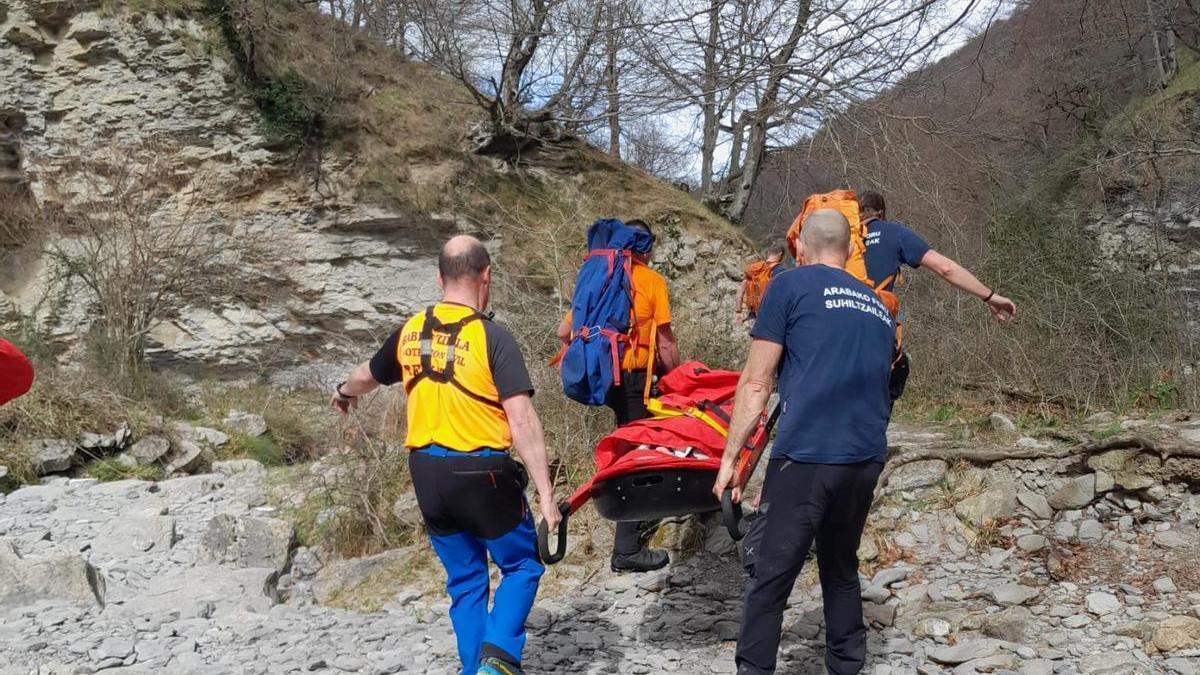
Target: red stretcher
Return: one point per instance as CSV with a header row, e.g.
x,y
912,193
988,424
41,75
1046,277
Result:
x,y
665,466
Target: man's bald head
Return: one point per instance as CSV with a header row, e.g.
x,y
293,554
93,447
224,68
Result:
x,y
826,234
463,258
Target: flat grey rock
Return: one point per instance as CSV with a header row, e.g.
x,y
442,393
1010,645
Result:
x,y
51,455
1173,539
249,424
962,652
58,576
1101,603
1075,493
1012,594
149,450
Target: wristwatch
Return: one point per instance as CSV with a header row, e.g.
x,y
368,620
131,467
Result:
x,y
338,390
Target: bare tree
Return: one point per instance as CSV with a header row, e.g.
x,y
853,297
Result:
x,y
649,146
138,247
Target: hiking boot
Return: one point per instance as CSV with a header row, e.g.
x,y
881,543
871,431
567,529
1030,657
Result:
x,y
645,560
493,665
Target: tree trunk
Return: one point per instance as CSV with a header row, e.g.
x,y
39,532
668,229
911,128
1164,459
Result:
x,y
756,143
739,135
613,113
708,143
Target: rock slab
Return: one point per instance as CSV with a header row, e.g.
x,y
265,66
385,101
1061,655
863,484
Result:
x,y
64,577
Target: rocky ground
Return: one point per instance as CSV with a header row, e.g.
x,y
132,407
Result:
x,y
1030,566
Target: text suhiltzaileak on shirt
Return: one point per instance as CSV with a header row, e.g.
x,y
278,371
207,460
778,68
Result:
x,y
889,245
837,340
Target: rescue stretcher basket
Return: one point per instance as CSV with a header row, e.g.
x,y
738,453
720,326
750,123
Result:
x,y
665,466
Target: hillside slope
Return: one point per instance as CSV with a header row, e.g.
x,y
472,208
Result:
x,y
1042,156
343,164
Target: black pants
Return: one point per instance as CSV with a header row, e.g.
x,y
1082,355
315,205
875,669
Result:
x,y
628,404
827,503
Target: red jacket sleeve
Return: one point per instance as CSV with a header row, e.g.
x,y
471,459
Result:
x,y
16,373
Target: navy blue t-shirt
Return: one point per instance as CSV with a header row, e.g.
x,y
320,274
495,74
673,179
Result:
x,y
837,355
889,245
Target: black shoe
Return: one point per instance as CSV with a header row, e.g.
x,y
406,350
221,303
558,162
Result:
x,y
645,560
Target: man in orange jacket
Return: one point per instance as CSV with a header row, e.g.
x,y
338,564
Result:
x,y
16,373
651,326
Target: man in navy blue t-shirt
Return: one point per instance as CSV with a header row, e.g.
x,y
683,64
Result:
x,y
891,244
830,340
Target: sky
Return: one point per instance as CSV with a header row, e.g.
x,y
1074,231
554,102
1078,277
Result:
x,y
685,125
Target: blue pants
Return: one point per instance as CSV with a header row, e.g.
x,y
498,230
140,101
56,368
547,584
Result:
x,y
473,507
481,632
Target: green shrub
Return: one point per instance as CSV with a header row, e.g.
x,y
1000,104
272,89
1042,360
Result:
x,y
263,449
946,412
109,469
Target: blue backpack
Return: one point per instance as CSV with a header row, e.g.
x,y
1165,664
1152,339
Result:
x,y
601,308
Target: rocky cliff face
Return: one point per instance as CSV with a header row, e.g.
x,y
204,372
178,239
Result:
x,y
1134,236
81,81
84,81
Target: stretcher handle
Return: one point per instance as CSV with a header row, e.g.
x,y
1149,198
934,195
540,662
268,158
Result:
x,y
543,537
731,515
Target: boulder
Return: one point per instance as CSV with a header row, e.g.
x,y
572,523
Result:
x,y
149,450
202,436
1036,504
306,563
925,473
1164,585
1076,493
881,615
61,577
247,542
1101,603
233,467
1172,539
1177,633
1031,543
51,455
932,626
999,501
1091,530
1113,461
1002,423
1011,594
187,457
98,444
346,575
1009,624
867,549
1101,418
245,423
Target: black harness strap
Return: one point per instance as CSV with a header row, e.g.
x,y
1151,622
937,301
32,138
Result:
x,y
446,375
716,411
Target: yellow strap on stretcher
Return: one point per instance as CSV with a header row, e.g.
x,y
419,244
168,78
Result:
x,y
658,410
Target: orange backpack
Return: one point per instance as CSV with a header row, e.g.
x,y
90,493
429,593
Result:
x,y
846,202
757,276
